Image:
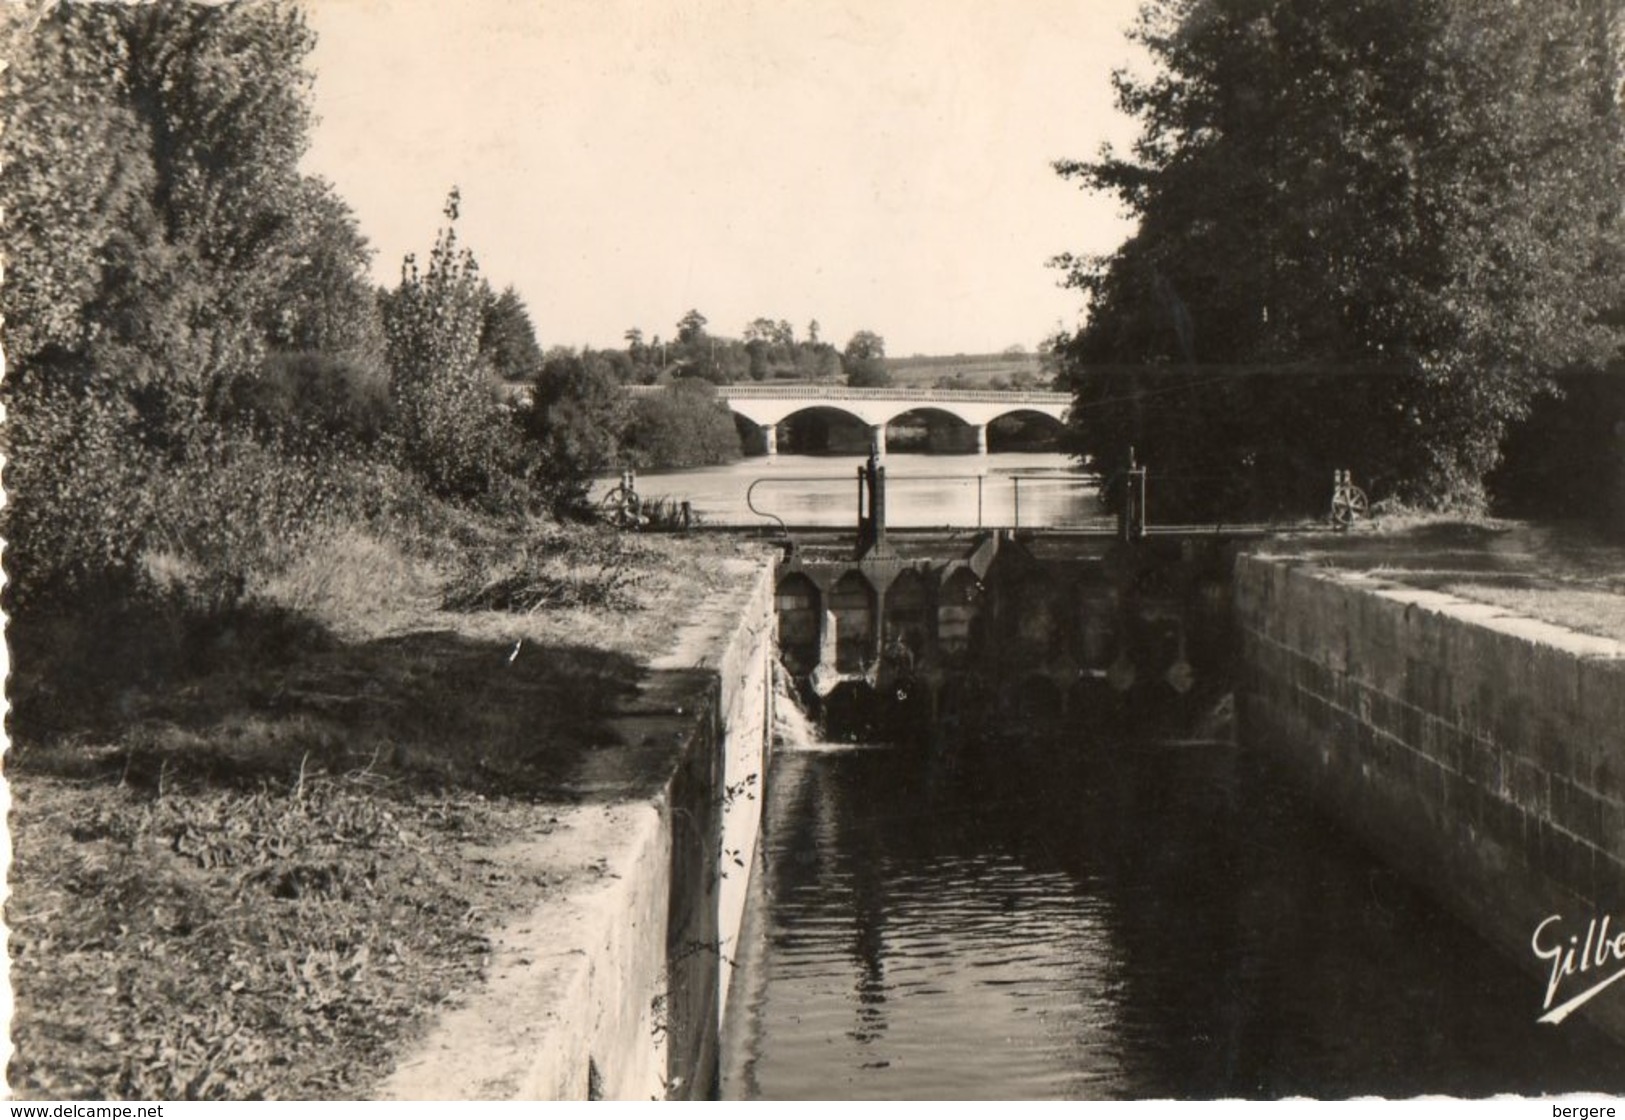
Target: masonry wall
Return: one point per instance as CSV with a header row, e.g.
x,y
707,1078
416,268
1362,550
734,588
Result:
x,y
1483,754
613,985
747,686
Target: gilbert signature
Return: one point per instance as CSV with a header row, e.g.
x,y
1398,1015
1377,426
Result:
x,y
1570,955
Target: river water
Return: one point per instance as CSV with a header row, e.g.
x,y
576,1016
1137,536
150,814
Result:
x,y
1046,920
1000,490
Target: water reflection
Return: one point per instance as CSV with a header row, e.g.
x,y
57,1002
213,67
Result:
x,y
1171,922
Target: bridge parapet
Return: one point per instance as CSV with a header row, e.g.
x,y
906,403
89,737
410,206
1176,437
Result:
x,y
1027,397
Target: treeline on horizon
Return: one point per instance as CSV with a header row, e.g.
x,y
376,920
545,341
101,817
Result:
x,y
1373,236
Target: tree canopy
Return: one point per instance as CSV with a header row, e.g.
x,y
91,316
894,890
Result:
x,y
1368,233
866,361
161,240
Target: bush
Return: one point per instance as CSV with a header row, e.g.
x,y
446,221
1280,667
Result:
x,y
683,425
574,421
78,487
316,399
236,509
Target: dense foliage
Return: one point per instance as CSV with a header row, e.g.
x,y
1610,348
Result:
x,y
681,425
576,415
201,375
866,361
1368,234
455,431
161,242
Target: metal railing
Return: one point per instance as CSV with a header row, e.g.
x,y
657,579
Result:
x,y
994,495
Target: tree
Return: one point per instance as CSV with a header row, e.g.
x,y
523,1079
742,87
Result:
x,y
160,240
158,218
691,327
1367,234
508,337
455,433
866,361
577,414
682,425
325,302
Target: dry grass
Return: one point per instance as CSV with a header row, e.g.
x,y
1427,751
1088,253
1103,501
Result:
x,y
1601,613
245,843
210,944
1568,575
356,584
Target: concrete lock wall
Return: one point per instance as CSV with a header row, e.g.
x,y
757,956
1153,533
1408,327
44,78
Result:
x,y
1483,754
613,985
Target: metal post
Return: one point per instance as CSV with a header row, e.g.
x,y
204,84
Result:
x,y
1139,503
1131,517
979,479
862,520
1016,482
877,508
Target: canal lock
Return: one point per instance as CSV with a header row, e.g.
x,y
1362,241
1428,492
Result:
x,y
1004,636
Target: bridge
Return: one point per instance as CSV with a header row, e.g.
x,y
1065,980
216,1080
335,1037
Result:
x,y
768,405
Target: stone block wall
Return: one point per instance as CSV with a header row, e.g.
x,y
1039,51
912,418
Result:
x,y
1484,754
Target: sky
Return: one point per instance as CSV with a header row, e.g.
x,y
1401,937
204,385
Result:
x,y
876,165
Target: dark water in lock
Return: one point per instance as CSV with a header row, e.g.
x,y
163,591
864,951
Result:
x,y
1136,922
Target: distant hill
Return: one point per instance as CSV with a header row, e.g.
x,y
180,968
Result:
x,y
968,371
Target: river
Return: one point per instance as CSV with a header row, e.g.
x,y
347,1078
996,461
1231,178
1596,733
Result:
x,y
1033,489
1050,921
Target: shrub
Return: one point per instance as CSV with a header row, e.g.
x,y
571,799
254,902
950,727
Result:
x,y
78,486
574,421
683,425
316,399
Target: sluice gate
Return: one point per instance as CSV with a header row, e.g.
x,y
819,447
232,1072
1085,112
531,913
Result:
x,y
1012,628
1004,629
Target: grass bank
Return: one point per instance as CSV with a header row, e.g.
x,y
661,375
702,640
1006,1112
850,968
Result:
x,y
1566,574
249,844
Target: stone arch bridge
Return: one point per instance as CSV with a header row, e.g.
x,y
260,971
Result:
x,y
768,405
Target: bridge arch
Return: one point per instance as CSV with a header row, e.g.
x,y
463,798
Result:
x,y
819,427
958,606
768,405
1024,428
931,427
